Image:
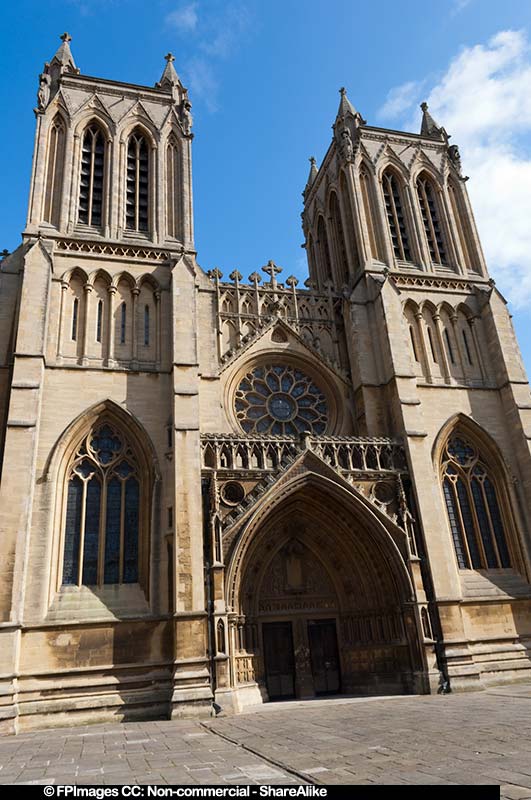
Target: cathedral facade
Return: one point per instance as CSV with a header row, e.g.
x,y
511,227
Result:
x,y
229,491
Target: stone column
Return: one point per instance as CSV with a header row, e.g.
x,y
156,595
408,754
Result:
x,y
134,325
444,358
87,290
60,335
110,362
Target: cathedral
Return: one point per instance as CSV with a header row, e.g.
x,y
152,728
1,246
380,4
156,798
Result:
x,y
218,491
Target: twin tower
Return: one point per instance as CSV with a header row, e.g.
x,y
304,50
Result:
x,y
242,489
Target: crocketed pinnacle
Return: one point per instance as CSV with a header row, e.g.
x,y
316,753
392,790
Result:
x,y
346,109
312,176
430,128
169,76
63,57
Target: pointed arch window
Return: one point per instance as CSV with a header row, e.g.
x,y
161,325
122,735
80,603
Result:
x,y
368,209
146,326
54,172
395,216
123,322
172,187
137,183
75,317
91,180
339,237
99,321
431,219
460,218
324,252
103,514
473,506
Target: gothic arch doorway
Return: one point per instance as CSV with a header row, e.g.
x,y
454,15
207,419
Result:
x,y
321,602
298,611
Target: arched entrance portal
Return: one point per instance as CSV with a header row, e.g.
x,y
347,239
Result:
x,y
323,602
298,612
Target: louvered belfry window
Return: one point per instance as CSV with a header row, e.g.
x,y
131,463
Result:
x,y
474,512
92,174
430,219
137,190
102,519
395,217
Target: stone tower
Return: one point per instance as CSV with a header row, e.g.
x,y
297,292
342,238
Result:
x,y
98,348
434,360
247,489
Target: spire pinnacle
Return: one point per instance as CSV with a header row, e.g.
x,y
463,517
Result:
x,y
312,176
430,128
63,57
347,109
169,78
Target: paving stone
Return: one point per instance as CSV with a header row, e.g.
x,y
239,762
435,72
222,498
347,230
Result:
x,y
477,739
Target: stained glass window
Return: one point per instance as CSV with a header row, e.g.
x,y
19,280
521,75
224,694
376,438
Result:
x,y
280,399
473,508
101,543
73,523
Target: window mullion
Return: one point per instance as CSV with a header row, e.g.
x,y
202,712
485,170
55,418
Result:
x,y
476,525
491,525
82,534
103,528
462,524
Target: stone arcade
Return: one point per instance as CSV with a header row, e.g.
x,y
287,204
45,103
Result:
x,y
241,490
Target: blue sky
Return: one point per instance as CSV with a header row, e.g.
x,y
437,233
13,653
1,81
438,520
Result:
x,y
264,78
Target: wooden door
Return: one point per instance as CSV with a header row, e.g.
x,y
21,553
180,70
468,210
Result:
x,y
278,660
324,656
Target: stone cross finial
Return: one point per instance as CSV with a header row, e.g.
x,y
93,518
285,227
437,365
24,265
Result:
x,y
215,273
235,276
169,57
292,281
65,37
272,270
342,91
424,106
255,277
312,160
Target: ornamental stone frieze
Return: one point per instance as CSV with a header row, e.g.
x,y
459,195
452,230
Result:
x,y
243,468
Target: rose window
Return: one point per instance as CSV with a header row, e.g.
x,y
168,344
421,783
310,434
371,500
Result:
x,y
280,399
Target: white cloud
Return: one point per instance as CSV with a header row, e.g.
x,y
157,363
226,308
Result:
x,y
227,31
400,98
217,36
184,19
203,82
484,100
459,5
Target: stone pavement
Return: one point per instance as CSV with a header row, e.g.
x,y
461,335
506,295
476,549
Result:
x,y
475,738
